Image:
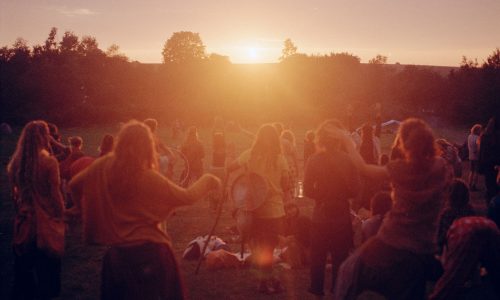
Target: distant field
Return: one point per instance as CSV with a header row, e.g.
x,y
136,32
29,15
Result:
x,y
81,265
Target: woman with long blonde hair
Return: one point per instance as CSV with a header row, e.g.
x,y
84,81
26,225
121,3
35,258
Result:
x,y
34,176
123,199
265,159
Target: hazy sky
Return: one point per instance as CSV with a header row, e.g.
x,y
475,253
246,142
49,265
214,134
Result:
x,y
434,32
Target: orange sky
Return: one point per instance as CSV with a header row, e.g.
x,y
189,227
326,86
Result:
x,y
433,32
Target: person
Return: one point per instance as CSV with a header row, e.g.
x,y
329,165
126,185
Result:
x,y
297,231
176,129
380,205
471,241
489,156
406,240
57,149
458,206
290,151
265,158
330,179
166,158
194,152
82,163
218,144
370,145
473,150
494,206
35,181
122,199
106,146
450,154
76,144
309,147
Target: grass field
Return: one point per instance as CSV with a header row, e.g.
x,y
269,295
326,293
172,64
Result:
x,y
81,264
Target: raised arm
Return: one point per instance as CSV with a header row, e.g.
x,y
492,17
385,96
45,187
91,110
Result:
x,y
370,171
169,194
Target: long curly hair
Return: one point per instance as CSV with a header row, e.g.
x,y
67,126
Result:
x,y
325,136
417,142
134,152
24,166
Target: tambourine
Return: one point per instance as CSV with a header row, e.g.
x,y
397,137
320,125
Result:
x,y
249,191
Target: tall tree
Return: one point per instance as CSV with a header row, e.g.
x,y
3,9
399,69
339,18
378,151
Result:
x,y
289,49
183,46
88,45
69,42
50,42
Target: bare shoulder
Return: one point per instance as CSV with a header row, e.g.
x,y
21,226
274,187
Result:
x,y
48,160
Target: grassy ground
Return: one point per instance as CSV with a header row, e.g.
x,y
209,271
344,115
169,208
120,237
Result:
x,y
81,264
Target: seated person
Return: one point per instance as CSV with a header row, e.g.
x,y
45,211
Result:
x,y
380,204
472,241
457,207
297,232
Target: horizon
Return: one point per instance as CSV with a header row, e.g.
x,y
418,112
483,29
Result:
x,y
407,32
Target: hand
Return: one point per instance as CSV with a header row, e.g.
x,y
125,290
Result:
x,y
214,183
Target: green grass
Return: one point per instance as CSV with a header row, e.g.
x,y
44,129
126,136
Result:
x,y
82,263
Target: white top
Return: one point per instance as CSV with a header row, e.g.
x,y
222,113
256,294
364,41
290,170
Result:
x,y
473,145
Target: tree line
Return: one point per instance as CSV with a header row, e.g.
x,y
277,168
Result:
x,y
72,82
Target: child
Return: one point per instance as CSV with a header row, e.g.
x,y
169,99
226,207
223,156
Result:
x,y
380,204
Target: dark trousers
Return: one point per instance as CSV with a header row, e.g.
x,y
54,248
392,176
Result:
x,y
328,237
36,275
146,271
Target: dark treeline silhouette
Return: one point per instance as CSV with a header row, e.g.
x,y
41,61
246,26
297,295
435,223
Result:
x,y
74,82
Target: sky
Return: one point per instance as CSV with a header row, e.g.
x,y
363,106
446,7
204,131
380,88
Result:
x,y
423,32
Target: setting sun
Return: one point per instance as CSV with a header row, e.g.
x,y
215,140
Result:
x,y
253,53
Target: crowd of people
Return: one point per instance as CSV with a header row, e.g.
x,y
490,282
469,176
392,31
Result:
x,y
418,224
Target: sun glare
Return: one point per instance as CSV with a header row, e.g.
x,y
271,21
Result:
x,y
253,54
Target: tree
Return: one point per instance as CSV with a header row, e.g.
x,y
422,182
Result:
x,y
219,59
69,42
113,51
89,45
183,46
493,61
468,64
50,42
378,60
289,49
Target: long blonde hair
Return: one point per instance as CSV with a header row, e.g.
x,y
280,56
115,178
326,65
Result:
x,y
24,166
134,152
266,146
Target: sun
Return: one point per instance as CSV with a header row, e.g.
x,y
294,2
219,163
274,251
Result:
x,y
253,54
